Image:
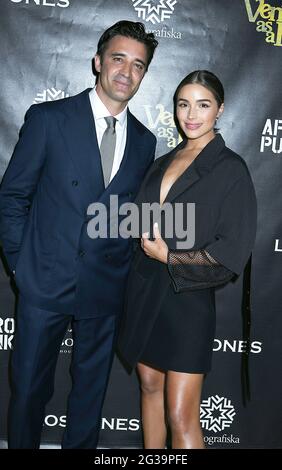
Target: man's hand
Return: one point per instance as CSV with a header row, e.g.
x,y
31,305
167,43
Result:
x,y
156,249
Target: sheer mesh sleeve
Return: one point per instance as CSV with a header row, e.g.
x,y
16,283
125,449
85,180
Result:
x,y
195,270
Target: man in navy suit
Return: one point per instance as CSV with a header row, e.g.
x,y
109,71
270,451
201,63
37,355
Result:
x,y
62,274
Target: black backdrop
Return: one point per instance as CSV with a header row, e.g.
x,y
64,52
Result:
x,y
46,53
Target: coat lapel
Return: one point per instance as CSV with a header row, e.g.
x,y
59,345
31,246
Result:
x,y
183,183
154,181
202,165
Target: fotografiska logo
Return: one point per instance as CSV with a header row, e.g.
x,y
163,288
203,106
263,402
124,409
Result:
x,y
217,413
155,12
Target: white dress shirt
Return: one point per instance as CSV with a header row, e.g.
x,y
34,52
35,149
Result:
x,y
100,112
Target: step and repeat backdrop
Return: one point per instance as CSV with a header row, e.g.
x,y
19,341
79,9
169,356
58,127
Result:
x,y
46,54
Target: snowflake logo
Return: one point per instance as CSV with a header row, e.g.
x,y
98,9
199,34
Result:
x,y
51,94
217,413
154,13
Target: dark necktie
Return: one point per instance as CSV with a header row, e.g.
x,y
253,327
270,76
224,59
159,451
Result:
x,y
107,148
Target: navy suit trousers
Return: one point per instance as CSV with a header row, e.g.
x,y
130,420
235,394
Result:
x,y
37,345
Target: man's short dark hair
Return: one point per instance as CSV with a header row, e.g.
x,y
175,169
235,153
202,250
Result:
x,y
129,29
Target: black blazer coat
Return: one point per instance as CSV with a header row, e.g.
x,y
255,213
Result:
x,y
219,183
54,175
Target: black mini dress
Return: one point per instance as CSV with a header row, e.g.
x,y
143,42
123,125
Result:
x,y
169,315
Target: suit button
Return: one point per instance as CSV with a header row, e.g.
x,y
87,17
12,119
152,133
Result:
x,y
74,183
108,256
81,253
129,194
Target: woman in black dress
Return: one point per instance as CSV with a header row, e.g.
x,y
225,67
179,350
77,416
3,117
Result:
x,y
169,322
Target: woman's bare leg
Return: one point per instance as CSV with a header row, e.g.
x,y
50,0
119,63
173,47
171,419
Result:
x,y
183,403
153,409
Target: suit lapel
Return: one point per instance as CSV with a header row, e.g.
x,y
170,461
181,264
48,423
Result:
x,y
83,145
131,157
130,136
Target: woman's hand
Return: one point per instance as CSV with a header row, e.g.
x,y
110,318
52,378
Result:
x,y
156,249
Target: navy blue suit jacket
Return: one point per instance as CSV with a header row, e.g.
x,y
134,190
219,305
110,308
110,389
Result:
x,y
54,175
